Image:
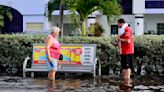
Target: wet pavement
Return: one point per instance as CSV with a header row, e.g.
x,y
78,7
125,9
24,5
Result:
x,y
99,84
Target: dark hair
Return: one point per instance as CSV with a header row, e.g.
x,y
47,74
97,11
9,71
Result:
x,y
121,21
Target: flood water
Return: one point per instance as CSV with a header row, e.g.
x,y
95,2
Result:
x,y
80,84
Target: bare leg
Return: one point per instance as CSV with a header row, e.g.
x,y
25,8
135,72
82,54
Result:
x,y
49,75
127,79
125,85
124,73
53,75
128,73
52,83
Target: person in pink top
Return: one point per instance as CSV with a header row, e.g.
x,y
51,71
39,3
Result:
x,y
53,52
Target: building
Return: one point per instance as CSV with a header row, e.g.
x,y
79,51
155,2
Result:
x,y
144,16
28,15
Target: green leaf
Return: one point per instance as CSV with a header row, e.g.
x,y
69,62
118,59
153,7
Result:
x,y
9,15
1,17
1,23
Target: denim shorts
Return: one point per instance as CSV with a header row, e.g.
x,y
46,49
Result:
x,y
52,65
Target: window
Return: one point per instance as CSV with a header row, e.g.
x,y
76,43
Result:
x,y
154,4
114,29
35,26
126,6
160,28
70,29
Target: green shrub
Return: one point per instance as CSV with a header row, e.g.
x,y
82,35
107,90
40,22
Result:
x,y
148,50
14,48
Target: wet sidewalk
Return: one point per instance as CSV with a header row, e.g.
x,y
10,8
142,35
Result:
x,y
103,84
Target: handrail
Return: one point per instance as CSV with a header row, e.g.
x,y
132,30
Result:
x,y
24,66
99,71
99,66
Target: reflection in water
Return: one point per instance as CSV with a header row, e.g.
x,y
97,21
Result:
x,y
126,90
50,90
125,87
99,84
61,85
52,83
52,86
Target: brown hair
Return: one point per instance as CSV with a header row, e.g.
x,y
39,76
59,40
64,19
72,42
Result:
x,y
121,21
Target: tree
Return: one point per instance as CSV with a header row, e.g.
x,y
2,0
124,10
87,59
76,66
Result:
x,y
4,13
61,16
53,5
87,7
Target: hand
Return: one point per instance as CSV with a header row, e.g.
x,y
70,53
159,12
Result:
x,y
114,43
118,38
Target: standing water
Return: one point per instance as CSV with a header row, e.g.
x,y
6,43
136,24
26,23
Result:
x,y
80,84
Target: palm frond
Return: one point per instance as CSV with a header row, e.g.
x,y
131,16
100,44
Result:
x,y
9,15
50,7
5,13
1,23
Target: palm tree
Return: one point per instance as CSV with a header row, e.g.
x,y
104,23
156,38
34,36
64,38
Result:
x,y
4,13
87,7
53,5
61,16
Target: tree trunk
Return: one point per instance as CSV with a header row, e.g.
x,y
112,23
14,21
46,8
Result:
x,y
61,17
49,25
84,27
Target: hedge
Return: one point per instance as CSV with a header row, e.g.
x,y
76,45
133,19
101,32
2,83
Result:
x,y
149,50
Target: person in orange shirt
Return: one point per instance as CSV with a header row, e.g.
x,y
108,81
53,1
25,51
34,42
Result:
x,y
126,46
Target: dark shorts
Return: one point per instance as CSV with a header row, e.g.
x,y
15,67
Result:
x,y
127,61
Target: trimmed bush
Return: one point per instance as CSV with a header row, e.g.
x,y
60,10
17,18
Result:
x,y
148,50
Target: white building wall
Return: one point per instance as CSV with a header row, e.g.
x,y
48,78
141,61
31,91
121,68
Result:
x,y
139,25
33,19
102,19
138,11
138,6
56,19
130,20
152,20
92,18
32,11
90,21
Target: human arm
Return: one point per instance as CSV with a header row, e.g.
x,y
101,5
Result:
x,y
124,40
48,44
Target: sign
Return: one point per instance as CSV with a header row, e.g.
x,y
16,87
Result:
x,y
39,54
71,54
